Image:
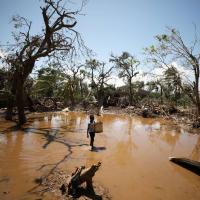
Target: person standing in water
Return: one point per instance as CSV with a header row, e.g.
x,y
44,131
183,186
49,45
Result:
x,y
91,131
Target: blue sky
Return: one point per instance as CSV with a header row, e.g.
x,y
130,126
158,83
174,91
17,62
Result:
x,y
114,25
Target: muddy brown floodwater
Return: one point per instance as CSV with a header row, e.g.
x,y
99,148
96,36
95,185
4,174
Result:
x,y
134,154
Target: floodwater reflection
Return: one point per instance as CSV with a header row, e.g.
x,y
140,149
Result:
x,y
134,154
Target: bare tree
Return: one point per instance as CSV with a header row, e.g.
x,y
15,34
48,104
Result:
x,y
92,65
103,77
58,35
73,71
99,74
172,48
82,76
127,66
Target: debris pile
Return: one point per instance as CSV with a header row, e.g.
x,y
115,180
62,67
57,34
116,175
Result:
x,y
151,110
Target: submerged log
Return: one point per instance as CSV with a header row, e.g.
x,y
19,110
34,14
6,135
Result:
x,y
79,176
191,165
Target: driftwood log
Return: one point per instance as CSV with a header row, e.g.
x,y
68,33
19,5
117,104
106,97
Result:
x,y
79,176
191,165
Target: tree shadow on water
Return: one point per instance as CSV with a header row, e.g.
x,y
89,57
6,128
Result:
x,y
10,129
55,135
51,136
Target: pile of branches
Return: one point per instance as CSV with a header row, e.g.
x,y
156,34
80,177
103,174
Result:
x,y
152,110
47,104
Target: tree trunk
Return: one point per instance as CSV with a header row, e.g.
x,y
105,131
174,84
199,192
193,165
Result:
x,y
71,94
161,95
20,100
81,88
197,95
79,177
197,103
9,111
131,92
30,103
100,95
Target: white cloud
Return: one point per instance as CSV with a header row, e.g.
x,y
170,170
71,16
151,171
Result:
x,y
115,80
152,75
141,76
186,74
157,73
2,55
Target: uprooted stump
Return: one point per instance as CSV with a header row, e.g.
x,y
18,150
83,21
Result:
x,y
64,187
78,177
